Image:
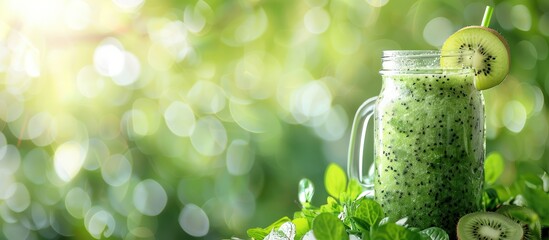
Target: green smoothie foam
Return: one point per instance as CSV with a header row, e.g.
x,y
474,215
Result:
x,y
434,123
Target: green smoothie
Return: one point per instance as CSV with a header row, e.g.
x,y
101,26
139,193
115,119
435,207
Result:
x,y
429,141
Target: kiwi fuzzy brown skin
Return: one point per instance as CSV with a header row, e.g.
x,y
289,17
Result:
x,y
527,218
471,225
491,57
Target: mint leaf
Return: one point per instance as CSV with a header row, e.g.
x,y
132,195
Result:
x,y
545,179
435,233
276,235
384,221
493,167
335,180
402,221
309,236
331,206
360,225
537,200
301,227
392,231
368,211
309,214
531,180
257,233
353,191
261,233
490,199
288,229
305,191
327,226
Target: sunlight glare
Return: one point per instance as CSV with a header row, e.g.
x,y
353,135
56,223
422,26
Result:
x,y
317,20
99,223
69,158
116,170
37,13
20,199
129,5
514,116
109,58
180,118
194,221
77,202
149,197
77,14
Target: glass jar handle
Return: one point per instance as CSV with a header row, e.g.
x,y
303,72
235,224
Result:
x,y
356,146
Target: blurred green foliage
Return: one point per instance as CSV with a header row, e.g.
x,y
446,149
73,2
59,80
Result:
x,y
137,119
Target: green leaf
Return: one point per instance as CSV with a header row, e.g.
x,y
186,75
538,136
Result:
x,y
327,226
308,214
402,221
257,233
413,229
493,167
505,193
490,199
288,230
301,226
305,191
367,210
384,221
335,180
392,231
331,206
276,235
260,233
537,200
435,233
354,189
531,180
545,179
360,224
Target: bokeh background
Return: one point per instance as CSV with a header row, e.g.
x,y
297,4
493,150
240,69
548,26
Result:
x,y
184,119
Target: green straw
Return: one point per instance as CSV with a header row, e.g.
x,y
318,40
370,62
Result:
x,y
487,15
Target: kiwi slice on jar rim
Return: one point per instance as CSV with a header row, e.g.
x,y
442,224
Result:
x,y
490,58
488,225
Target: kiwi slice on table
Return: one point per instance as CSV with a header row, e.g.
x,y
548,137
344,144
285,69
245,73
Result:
x,y
488,225
527,218
490,58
